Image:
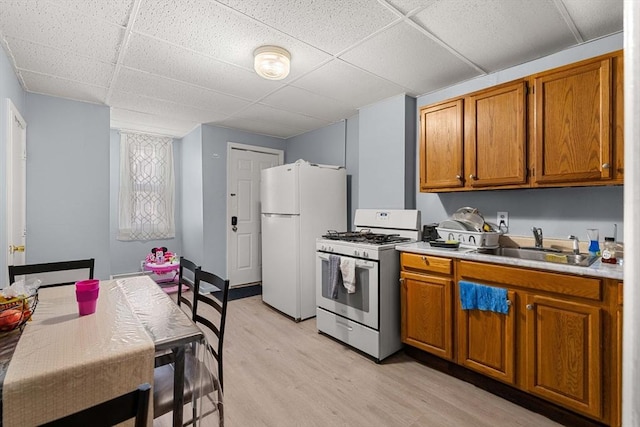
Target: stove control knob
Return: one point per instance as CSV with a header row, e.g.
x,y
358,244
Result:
x,y
322,247
356,253
365,254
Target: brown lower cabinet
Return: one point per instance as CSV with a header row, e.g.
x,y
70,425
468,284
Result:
x,y
559,340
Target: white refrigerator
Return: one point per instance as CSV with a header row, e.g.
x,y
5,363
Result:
x,y
299,203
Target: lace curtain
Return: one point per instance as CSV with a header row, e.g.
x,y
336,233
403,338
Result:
x,y
146,199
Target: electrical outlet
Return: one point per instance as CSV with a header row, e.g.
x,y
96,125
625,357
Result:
x,y
502,219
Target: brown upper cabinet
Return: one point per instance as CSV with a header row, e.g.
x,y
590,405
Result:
x,y
495,136
441,146
474,142
568,132
572,124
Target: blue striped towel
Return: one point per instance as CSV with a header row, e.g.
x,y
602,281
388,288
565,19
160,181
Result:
x,y
474,296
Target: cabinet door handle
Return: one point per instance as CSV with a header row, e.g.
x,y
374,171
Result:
x,y
472,176
605,166
529,306
508,302
458,176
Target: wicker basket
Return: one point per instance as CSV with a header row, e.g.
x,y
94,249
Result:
x,y
472,239
15,312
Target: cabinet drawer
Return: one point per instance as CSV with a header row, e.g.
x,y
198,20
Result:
x,y
583,287
428,263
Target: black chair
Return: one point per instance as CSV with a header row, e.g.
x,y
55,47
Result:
x,y
54,273
112,412
213,323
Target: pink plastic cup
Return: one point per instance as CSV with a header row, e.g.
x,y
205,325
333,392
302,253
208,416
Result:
x,y
88,284
87,296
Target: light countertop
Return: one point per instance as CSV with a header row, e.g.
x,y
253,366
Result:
x,y
597,269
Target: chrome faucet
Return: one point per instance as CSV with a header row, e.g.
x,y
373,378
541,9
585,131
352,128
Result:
x,y
537,234
576,244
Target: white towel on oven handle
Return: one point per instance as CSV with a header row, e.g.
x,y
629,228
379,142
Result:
x,y
348,270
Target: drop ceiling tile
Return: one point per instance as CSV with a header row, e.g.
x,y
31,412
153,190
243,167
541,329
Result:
x,y
49,25
42,59
407,57
157,57
142,83
262,127
142,122
132,102
281,117
406,6
329,25
308,103
217,31
509,33
55,86
596,18
114,11
344,82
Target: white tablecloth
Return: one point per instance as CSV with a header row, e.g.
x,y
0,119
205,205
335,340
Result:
x,y
64,363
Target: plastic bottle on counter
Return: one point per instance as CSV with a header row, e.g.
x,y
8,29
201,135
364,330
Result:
x,y
609,251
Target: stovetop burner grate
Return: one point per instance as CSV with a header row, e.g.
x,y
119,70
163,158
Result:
x,y
364,236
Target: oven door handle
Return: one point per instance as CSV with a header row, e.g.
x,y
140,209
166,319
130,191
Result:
x,y
359,263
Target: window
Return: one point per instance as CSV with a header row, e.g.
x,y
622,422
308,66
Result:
x,y
146,199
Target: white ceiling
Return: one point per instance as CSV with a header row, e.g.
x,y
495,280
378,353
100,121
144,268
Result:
x,y
164,66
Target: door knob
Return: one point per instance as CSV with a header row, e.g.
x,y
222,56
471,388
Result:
x,y
14,248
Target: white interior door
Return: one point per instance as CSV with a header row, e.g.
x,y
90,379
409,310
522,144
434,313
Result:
x,y
16,186
243,206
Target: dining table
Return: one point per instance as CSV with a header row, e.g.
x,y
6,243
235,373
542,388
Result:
x,y
61,362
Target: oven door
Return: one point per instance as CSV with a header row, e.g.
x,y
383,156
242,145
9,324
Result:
x,y
360,306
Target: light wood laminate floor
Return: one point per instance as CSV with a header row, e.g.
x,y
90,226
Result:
x,y
281,373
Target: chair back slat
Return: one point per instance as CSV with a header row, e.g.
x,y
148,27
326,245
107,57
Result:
x,y
186,277
54,273
112,412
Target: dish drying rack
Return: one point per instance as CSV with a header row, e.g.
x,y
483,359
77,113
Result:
x,y
472,239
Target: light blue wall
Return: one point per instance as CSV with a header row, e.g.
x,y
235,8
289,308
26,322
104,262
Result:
x,y
383,153
560,211
67,181
9,89
322,146
190,198
214,189
126,256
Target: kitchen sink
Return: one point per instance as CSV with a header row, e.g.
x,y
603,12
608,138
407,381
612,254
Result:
x,y
583,260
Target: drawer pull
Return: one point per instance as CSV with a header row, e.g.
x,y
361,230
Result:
x,y
347,327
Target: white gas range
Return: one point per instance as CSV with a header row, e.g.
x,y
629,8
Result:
x,y
369,318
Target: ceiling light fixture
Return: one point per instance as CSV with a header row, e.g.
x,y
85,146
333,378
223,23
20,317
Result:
x,y
272,62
